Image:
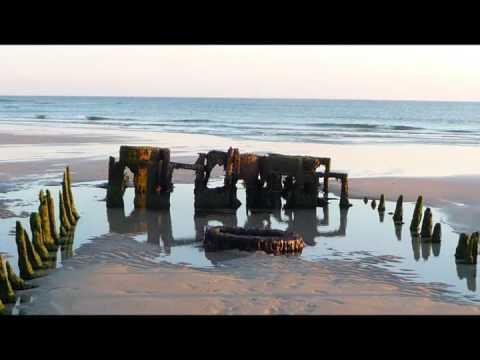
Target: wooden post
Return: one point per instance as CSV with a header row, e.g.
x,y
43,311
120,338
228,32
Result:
x,y
417,215
398,215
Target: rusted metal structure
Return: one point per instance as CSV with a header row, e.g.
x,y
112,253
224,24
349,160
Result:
x,y
267,179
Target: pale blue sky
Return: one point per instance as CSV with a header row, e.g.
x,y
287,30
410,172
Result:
x,y
352,72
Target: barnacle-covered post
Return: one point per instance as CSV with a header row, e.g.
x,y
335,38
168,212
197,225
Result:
x,y
398,215
417,215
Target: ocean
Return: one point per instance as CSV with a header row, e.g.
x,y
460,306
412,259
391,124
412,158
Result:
x,y
292,120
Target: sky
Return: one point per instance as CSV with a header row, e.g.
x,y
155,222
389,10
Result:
x,y
261,71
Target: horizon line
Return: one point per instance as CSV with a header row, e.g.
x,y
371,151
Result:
x,y
244,97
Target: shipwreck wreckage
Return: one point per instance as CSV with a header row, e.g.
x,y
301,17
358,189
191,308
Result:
x,y
267,179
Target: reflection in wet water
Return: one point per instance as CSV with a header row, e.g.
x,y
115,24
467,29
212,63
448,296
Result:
x,y
156,224
398,231
469,272
426,249
381,216
436,249
416,247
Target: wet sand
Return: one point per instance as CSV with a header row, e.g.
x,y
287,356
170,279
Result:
x,y
101,279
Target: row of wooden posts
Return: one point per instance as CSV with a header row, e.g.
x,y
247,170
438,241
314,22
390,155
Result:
x,y
467,248
35,257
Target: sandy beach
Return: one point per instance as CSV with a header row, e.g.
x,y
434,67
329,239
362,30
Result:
x,y
102,278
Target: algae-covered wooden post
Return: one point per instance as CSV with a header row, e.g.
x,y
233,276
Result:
x,y
7,295
398,215
70,194
51,217
365,200
427,224
437,233
467,249
381,205
26,269
417,215
65,225
45,223
17,282
35,260
66,202
374,204
37,236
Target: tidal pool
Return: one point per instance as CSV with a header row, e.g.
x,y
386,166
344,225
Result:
x,y
175,236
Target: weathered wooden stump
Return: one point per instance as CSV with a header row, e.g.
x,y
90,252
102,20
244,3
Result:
x,y
381,205
398,214
51,217
152,172
26,269
437,233
7,295
48,239
68,178
467,249
67,202
427,224
344,202
37,237
65,225
271,241
222,198
35,260
17,282
417,215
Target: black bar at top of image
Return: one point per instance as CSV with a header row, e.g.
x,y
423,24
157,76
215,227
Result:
x,y
344,25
